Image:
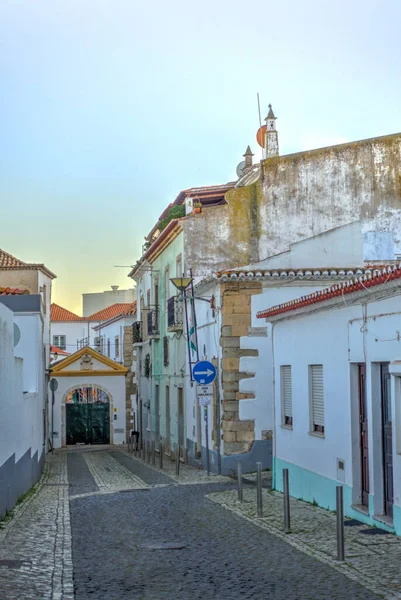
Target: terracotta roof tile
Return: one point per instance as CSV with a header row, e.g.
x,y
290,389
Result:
x,y
54,350
121,308
370,279
58,313
7,291
8,261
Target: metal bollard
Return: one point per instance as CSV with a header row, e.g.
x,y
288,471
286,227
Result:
x,y
160,455
239,482
136,450
286,490
340,522
177,460
259,489
153,452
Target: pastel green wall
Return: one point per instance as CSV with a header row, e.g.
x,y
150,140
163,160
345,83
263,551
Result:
x,y
172,375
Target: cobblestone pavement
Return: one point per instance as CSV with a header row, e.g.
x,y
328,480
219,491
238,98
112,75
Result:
x,y
120,546
137,533
373,556
38,542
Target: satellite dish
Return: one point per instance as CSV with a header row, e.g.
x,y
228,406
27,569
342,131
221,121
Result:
x,y
17,334
260,136
240,168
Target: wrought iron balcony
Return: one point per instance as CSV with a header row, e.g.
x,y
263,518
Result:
x,y
137,335
175,309
153,323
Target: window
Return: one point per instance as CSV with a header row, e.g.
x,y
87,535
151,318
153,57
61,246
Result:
x,y
317,398
60,342
148,298
286,395
165,350
178,271
167,284
108,347
117,348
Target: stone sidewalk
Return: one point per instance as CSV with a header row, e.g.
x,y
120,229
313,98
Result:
x,y
188,475
372,556
35,544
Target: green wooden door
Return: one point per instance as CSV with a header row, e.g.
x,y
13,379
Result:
x,y
88,423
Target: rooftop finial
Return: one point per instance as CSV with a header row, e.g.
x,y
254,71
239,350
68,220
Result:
x,y
248,158
270,114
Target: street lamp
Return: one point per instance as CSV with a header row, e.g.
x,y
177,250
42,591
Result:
x,y
181,283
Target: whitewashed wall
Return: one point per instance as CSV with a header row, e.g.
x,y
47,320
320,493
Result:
x,y
209,328
73,331
339,338
21,415
110,331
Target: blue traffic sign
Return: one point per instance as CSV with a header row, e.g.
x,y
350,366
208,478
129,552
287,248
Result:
x,y
204,372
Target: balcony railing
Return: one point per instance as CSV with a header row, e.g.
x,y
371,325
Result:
x,y
137,335
153,323
82,343
174,314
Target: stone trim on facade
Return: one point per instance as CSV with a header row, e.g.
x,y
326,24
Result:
x,y
237,435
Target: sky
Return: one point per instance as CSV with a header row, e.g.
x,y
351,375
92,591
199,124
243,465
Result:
x,y
109,108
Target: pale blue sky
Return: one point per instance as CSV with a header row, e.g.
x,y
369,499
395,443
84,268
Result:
x,y
109,108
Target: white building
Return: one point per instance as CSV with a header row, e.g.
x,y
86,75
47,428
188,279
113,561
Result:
x,y
337,396
95,301
71,332
89,405
23,395
240,419
37,279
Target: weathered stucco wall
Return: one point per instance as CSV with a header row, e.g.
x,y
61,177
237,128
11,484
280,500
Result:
x,y
301,195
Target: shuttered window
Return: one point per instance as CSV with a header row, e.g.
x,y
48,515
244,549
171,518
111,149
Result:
x,y
317,397
286,394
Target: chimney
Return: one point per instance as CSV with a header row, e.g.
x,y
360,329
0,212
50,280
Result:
x,y
248,158
114,288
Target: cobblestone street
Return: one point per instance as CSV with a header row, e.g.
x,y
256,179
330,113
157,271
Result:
x,y
138,533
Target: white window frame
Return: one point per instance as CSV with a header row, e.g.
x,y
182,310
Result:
x,y
286,419
317,425
58,344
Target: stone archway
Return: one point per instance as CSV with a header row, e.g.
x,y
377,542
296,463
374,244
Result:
x,y
91,402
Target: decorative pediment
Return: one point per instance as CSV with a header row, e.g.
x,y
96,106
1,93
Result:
x,y
87,362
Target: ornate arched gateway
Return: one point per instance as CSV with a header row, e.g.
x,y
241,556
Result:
x,y
87,415
89,400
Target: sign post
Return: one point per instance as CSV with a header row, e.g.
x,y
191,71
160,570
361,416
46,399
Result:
x,y
207,438
204,373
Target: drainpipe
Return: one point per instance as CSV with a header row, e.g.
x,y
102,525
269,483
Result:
x,y
274,410
218,416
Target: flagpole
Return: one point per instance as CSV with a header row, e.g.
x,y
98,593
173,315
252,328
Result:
x,y
189,350
194,315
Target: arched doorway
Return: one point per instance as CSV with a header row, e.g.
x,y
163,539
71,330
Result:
x,y
87,415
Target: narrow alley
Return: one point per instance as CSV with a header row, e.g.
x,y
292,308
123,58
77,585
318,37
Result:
x,y
104,525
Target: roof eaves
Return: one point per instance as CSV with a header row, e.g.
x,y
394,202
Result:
x,y
337,291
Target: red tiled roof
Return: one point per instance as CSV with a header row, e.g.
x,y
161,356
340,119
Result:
x,y
7,291
369,280
10,262
54,350
121,308
58,313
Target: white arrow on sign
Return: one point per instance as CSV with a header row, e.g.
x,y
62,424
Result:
x,y
207,372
